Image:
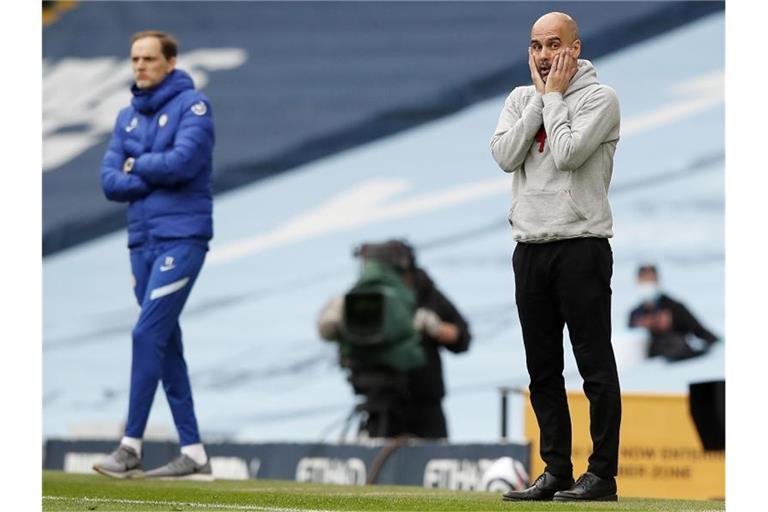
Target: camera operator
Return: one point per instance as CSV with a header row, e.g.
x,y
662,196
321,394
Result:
x,y
439,325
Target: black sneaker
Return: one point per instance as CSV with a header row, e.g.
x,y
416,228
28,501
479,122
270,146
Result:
x,y
590,487
543,489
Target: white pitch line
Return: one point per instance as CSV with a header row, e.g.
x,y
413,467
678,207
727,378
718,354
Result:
x,y
219,506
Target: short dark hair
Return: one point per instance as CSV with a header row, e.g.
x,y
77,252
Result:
x,y
647,267
168,44
397,253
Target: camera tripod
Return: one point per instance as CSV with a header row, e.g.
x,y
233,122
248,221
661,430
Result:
x,y
385,392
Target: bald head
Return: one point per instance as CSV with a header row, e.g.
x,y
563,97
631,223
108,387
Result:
x,y
550,35
557,22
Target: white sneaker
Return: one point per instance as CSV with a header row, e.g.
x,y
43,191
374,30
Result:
x,y
124,462
182,468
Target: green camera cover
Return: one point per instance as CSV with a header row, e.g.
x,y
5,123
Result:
x,y
378,320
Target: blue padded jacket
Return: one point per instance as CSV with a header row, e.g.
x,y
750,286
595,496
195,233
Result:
x,y
168,130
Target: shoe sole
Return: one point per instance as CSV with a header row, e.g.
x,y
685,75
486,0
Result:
x,y
195,477
120,475
509,498
610,497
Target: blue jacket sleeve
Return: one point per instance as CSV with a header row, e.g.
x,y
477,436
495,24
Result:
x,y
190,154
117,185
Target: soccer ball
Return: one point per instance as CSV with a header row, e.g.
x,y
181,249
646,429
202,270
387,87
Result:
x,y
505,474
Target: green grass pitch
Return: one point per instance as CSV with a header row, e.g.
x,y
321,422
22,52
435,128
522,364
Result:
x,y
63,491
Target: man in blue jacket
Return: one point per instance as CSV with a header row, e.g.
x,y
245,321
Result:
x,y
159,161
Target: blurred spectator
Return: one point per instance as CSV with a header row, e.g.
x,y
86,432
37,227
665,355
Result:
x,y
434,320
670,325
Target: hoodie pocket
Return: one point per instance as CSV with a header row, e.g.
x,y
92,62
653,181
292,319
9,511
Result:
x,y
544,212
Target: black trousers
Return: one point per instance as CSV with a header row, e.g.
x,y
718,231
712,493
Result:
x,y
568,282
423,419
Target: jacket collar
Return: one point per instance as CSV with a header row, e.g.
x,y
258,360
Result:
x,y
149,101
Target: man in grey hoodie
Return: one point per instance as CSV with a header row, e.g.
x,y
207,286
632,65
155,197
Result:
x,y
557,138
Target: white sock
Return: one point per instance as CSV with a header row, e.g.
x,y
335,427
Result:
x,y
132,442
196,452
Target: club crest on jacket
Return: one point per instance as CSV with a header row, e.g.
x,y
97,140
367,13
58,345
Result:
x,y
199,108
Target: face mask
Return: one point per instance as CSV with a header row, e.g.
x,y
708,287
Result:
x,y
648,291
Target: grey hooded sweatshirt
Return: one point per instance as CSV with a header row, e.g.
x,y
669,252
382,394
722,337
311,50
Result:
x,y
559,182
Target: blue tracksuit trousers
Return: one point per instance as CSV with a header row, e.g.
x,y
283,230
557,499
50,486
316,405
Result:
x,y
164,274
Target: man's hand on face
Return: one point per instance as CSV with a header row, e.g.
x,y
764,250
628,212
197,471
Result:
x,y
564,67
535,76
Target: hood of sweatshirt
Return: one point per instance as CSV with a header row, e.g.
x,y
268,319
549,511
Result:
x,y
586,75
